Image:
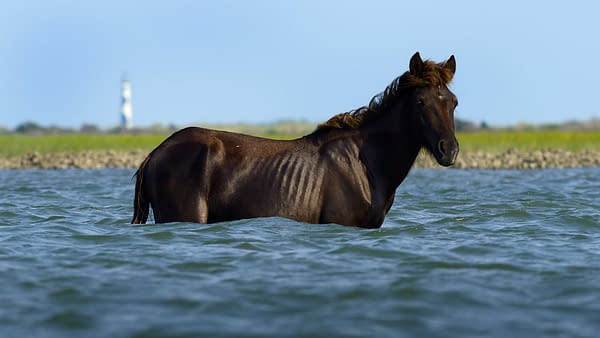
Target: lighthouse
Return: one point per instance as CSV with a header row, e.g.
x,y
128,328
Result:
x,y
126,112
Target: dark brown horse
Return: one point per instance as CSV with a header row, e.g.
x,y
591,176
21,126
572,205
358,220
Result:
x,y
345,172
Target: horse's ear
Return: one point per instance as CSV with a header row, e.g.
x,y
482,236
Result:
x,y
416,64
450,64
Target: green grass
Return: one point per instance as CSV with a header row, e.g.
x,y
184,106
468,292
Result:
x,y
15,145
493,141
498,141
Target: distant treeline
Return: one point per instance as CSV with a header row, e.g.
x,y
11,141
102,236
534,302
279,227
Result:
x,y
283,129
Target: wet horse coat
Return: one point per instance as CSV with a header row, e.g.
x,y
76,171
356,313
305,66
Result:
x,y
345,172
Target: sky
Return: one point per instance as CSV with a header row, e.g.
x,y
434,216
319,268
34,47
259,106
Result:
x,y
194,62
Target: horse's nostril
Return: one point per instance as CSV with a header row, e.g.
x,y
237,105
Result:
x,y
442,147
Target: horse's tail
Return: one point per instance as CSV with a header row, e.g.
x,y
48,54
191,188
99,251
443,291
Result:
x,y
141,206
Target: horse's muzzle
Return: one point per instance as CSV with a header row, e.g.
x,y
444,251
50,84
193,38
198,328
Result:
x,y
447,151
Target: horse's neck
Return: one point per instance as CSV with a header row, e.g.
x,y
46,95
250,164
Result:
x,y
391,148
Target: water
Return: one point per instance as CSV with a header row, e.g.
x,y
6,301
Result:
x,y
462,253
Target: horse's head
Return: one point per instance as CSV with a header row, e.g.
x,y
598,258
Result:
x,y
433,106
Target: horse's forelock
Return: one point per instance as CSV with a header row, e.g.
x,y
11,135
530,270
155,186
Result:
x,y
432,74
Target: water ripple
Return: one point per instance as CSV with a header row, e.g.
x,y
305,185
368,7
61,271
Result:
x,y
480,253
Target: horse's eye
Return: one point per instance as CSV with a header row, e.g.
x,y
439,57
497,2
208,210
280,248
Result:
x,y
420,102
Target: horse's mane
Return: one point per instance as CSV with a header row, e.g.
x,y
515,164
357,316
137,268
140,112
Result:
x,y
432,74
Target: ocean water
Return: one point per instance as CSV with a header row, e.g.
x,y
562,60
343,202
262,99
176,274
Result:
x,y
463,253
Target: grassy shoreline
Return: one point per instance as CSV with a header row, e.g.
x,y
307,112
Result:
x,y
14,145
500,141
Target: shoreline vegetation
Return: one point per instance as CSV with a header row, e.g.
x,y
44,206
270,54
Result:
x,y
479,150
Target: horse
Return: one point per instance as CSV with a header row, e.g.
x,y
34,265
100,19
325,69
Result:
x,y
345,172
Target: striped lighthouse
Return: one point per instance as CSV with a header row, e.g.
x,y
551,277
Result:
x,y
126,112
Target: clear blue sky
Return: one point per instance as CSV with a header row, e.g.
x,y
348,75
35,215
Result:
x,y
192,62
